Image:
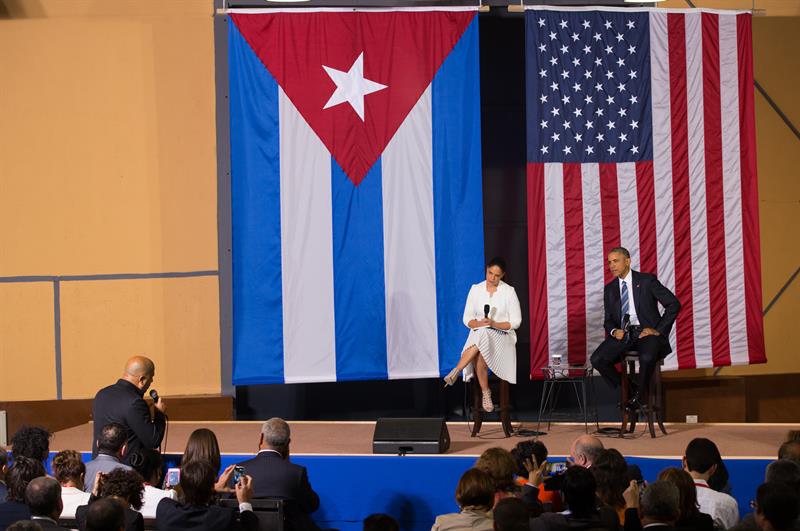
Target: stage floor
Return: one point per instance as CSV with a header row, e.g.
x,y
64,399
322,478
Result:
x,y
749,441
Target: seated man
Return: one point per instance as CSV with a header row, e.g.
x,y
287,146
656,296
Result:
x,y
633,322
584,450
783,472
790,450
274,476
585,513
43,496
111,447
198,513
700,461
660,505
106,514
32,442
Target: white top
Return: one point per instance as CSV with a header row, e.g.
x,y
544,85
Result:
x,y
723,508
503,306
72,498
152,496
631,305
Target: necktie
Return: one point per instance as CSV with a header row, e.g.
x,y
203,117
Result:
x,y
624,297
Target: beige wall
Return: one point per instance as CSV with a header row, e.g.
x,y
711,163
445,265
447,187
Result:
x,y
107,166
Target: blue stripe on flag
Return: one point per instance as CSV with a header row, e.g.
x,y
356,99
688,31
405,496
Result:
x,y
457,190
256,214
358,275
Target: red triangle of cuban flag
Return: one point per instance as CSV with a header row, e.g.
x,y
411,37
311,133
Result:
x,y
354,76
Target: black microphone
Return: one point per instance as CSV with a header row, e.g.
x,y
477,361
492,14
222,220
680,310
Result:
x,y
626,322
486,309
154,395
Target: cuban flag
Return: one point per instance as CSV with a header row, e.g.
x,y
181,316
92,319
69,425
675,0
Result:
x,y
356,191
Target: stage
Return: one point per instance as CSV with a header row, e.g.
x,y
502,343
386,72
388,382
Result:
x,y
748,441
353,483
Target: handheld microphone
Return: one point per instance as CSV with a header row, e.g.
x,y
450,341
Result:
x,y
154,395
486,309
626,322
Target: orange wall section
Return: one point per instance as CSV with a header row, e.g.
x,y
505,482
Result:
x,y
173,321
27,342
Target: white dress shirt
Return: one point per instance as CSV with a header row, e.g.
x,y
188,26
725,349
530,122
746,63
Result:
x,y
631,306
723,508
72,498
152,496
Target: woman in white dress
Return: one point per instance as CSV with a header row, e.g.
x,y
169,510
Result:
x,y
491,343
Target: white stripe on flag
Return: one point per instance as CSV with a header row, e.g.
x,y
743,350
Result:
x,y
662,159
628,210
309,347
732,191
594,259
697,190
556,258
408,248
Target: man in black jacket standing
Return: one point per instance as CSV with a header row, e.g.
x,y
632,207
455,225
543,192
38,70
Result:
x,y
274,476
124,404
634,322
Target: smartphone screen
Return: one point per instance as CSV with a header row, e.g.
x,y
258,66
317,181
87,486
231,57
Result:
x,y
173,477
238,472
556,468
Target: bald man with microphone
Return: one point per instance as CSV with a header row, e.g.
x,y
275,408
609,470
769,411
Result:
x,y
123,403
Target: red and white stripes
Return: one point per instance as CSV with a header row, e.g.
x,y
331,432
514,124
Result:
x,y
690,215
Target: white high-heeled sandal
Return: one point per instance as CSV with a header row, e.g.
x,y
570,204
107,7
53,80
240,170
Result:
x,y
452,377
488,405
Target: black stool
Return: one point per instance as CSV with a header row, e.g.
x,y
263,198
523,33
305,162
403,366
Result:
x,y
477,412
653,408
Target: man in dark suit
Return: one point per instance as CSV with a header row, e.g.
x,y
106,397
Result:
x,y
124,404
43,496
633,322
274,476
197,512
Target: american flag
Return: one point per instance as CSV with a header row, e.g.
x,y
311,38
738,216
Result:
x,y
641,133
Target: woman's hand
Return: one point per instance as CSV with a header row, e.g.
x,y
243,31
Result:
x,y
222,483
631,495
535,471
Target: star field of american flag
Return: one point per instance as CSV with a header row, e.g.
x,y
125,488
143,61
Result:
x,y
590,79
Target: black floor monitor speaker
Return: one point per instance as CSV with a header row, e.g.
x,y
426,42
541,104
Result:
x,y
410,436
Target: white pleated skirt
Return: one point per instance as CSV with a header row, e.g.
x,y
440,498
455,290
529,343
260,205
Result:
x,y
498,350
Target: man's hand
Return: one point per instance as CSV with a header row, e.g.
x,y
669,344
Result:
x,y
619,333
535,471
244,489
161,405
631,495
98,483
647,331
222,483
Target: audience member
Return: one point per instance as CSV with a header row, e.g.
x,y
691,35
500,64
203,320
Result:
x,y
32,442
777,507
202,445
691,518
584,450
475,498
700,461
197,512
106,514
529,456
793,435
24,525
790,450
610,472
43,496
380,522
578,490
111,447
500,465
511,514
123,403
23,471
124,485
719,479
274,476
147,462
69,470
3,472
660,506
782,471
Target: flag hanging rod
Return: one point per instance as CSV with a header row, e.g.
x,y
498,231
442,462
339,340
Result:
x,y
231,5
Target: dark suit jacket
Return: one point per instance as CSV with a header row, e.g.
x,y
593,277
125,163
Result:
x,y
3,491
133,520
47,524
174,516
13,511
275,477
605,519
123,403
647,293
